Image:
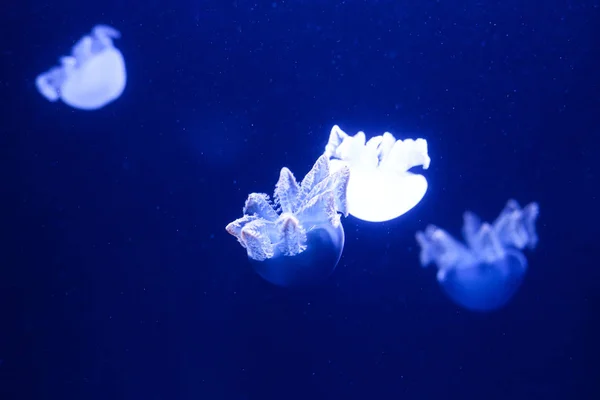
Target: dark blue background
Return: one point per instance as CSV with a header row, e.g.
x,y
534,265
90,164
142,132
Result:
x,y
118,280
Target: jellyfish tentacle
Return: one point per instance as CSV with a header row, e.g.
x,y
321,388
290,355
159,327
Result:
x,y
439,247
407,154
47,83
293,235
336,137
515,226
310,183
385,147
258,204
82,51
471,229
286,191
106,31
255,237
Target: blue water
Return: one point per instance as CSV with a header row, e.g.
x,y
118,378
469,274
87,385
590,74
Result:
x,y
118,280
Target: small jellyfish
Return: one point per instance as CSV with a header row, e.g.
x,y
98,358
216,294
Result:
x,y
296,239
91,77
381,187
485,273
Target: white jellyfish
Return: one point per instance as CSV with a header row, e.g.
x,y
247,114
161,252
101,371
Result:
x,y
381,187
298,238
91,77
486,273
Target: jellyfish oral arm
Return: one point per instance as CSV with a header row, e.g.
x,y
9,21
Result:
x,y
280,227
515,226
106,33
45,83
439,247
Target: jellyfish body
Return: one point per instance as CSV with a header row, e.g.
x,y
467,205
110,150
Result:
x,y
91,77
324,246
484,274
298,238
381,187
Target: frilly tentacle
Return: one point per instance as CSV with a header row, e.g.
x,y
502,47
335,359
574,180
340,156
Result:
x,y
267,229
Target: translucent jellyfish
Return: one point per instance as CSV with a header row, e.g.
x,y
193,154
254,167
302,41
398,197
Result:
x,y
381,187
91,77
486,272
298,238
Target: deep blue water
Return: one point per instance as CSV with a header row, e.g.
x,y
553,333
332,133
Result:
x,y
118,280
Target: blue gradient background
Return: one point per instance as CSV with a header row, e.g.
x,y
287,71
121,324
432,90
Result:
x,y
118,280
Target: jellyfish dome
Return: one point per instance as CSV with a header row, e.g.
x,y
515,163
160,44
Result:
x,y
296,239
91,77
484,274
381,187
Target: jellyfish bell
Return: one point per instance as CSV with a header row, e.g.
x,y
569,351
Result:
x,y
324,246
381,187
91,77
485,286
484,274
380,195
298,238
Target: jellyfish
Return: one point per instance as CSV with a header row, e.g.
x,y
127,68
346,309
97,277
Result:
x,y
91,77
381,186
296,239
484,273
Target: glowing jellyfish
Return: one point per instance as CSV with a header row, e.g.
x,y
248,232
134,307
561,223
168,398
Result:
x,y
91,77
484,274
298,238
381,187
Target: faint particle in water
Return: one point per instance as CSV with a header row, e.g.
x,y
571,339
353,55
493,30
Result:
x,y
91,77
484,274
218,137
297,239
392,54
381,187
